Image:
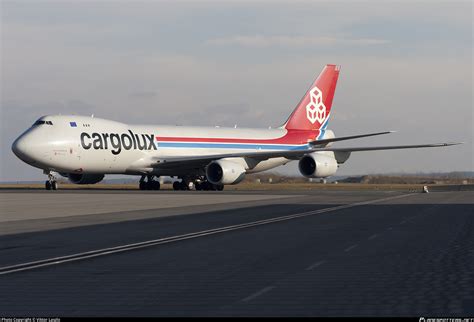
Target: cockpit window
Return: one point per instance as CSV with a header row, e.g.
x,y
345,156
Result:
x,y
41,122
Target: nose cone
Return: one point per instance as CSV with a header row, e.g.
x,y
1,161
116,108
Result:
x,y
23,148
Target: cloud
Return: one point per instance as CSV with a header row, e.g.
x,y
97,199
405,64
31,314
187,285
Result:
x,y
191,65
143,95
294,41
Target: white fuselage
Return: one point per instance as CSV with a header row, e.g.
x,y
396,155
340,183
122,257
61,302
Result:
x,y
84,148
79,144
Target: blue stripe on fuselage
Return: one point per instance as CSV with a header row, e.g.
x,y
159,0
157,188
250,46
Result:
x,y
322,129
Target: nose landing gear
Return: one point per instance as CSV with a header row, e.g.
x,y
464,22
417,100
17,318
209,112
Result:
x,y
51,183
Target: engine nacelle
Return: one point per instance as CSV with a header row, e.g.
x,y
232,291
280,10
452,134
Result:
x,y
82,178
316,165
225,172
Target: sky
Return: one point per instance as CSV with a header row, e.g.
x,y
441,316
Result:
x,y
406,66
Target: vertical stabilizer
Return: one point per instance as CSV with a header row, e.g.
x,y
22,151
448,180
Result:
x,y
314,109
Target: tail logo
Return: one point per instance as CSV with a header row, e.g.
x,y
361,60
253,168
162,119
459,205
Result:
x,y
316,110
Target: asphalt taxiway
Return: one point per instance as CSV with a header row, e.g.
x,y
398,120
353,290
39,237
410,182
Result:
x,y
277,253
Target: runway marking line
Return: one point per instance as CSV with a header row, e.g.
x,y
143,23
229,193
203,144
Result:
x,y
128,247
373,236
257,294
310,268
348,249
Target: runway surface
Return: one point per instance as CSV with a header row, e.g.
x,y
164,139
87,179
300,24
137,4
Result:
x,y
306,253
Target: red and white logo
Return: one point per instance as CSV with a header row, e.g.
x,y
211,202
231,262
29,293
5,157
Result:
x,y
316,110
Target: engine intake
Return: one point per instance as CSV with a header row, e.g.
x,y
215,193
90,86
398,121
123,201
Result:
x,y
225,172
81,178
317,165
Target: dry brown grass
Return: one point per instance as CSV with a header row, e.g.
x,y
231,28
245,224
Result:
x,y
245,186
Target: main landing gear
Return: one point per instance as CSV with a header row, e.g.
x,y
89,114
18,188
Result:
x,y
181,185
186,183
51,183
206,185
199,184
149,184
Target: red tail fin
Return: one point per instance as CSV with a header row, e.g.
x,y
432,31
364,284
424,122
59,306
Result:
x,y
312,112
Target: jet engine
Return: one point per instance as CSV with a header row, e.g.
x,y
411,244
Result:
x,y
316,165
224,172
82,178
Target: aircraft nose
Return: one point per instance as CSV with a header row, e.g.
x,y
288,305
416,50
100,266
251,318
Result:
x,y
22,148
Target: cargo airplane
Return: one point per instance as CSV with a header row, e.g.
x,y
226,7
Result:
x,y
84,148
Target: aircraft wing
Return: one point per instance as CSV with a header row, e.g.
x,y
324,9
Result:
x,y
202,161
343,138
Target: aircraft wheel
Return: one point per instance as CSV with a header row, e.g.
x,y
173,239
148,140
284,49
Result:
x,y
47,185
54,185
220,187
142,185
183,186
155,185
210,186
198,186
176,185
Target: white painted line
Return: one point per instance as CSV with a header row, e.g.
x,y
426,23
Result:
x,y
315,265
373,236
257,294
348,249
128,247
